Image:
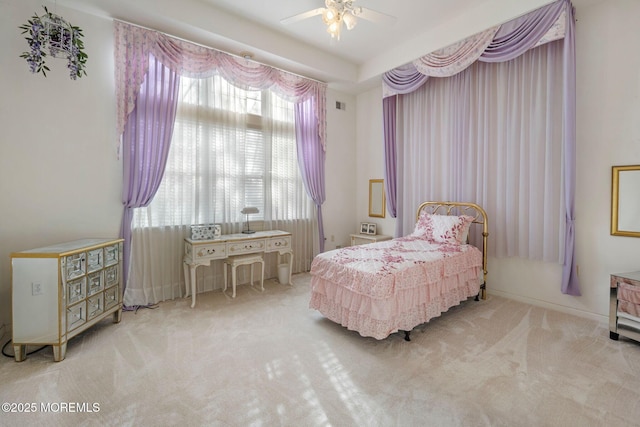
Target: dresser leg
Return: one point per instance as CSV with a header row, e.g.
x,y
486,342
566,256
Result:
x,y
117,316
59,352
614,336
20,352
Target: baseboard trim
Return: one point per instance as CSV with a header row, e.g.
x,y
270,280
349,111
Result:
x,y
3,331
556,307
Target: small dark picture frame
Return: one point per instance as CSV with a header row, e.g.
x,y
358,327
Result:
x,y
372,229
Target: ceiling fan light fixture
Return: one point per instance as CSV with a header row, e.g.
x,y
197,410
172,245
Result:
x,y
334,29
330,16
337,12
349,20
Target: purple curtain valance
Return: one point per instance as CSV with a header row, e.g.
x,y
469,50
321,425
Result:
x,y
453,59
403,79
521,34
134,44
496,44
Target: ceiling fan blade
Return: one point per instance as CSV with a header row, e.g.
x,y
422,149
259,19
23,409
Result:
x,y
301,16
375,16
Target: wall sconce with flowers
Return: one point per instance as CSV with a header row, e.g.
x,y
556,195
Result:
x,y
52,34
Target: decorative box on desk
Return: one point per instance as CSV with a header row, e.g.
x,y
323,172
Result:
x,y
624,311
61,290
361,239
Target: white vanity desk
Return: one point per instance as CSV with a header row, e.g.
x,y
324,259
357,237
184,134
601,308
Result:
x,y
202,252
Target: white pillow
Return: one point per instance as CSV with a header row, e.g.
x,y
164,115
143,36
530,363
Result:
x,y
443,228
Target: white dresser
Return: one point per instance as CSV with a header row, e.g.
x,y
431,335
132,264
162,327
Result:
x,y
202,252
61,290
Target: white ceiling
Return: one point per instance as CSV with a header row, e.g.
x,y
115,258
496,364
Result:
x,y
351,64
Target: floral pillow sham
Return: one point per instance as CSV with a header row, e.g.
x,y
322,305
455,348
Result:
x,y
449,229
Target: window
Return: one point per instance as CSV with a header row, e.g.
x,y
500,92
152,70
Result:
x,y
231,148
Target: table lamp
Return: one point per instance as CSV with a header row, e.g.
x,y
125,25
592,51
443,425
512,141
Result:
x,y
246,211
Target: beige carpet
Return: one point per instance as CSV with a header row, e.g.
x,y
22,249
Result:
x,y
265,359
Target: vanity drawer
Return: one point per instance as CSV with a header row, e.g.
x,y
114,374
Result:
x,y
210,251
279,244
246,247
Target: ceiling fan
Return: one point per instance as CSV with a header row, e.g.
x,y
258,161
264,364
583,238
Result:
x,y
337,12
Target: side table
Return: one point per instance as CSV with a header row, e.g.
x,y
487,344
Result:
x,y
624,308
362,239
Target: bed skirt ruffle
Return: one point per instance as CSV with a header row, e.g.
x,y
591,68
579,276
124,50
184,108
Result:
x,y
408,308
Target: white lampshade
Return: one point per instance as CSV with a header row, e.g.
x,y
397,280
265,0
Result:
x,y
349,20
329,15
334,30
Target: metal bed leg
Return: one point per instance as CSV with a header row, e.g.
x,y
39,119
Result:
x,y
406,336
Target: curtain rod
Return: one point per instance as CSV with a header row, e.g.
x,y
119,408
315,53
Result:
x,y
219,50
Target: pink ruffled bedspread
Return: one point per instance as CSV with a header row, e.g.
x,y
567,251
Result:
x,y
381,288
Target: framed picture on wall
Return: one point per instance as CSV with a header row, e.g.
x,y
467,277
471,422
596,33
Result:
x,y
364,228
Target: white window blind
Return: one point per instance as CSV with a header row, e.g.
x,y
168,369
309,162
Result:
x,y
231,148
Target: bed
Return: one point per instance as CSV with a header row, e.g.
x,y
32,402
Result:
x,y
381,288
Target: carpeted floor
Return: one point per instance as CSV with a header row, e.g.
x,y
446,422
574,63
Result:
x,y
266,359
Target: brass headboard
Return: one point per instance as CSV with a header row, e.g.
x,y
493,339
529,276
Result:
x,y
462,208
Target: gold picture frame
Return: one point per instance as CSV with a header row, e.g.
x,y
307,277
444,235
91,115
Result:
x,y
377,201
625,201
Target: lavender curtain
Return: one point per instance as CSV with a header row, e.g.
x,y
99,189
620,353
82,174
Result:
x,y
143,161
311,158
146,141
390,155
570,282
510,41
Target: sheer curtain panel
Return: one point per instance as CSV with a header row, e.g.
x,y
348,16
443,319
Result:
x,y
502,149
